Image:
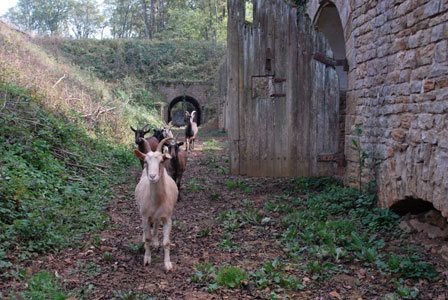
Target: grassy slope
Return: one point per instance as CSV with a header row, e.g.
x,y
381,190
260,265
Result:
x,y
63,138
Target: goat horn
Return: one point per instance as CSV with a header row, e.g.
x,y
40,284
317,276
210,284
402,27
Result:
x,y
144,127
160,145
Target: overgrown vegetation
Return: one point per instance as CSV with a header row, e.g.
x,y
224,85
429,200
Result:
x,y
55,180
146,61
326,227
104,110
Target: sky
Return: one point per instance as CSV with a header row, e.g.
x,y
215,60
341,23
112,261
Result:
x,y
5,4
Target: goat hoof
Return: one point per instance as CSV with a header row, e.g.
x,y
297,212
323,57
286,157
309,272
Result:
x,y
168,266
146,260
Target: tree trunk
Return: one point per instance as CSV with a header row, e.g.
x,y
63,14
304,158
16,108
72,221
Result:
x,y
145,20
216,20
210,23
153,4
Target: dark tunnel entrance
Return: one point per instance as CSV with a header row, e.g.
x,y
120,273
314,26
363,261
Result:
x,y
181,104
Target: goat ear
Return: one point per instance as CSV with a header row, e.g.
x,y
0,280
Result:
x,y
147,131
166,157
139,155
132,129
180,144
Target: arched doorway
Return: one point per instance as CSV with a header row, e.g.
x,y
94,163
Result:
x,y
328,21
181,104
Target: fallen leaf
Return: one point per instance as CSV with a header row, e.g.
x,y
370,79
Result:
x,y
68,261
335,294
106,249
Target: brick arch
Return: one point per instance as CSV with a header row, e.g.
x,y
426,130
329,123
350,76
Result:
x,y
190,100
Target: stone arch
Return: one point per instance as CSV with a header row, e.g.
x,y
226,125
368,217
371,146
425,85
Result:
x,y
328,21
190,100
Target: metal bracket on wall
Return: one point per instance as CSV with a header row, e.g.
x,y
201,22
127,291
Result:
x,y
331,62
268,60
339,158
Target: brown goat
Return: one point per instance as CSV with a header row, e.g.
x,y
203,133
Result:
x,y
176,165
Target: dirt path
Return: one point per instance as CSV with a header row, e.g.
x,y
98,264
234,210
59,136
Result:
x,y
110,263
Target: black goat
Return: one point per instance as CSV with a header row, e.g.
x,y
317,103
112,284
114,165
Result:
x,y
152,141
176,165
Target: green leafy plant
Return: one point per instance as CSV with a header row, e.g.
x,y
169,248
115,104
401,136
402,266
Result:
x,y
43,286
137,248
231,277
192,186
130,295
203,232
203,273
361,153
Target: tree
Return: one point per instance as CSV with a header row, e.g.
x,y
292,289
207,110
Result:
x,y
124,18
45,17
85,19
148,33
21,15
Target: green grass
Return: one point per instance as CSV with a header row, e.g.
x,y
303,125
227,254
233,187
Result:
x,y
213,145
54,180
44,286
231,277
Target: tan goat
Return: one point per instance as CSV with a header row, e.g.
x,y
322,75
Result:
x,y
191,130
156,193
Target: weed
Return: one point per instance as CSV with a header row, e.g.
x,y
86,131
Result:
x,y
231,185
315,184
213,145
227,244
192,186
231,277
42,286
381,220
130,295
108,256
215,196
361,153
230,219
320,270
222,171
203,273
203,232
137,248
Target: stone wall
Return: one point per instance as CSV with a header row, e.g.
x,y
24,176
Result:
x,y
397,90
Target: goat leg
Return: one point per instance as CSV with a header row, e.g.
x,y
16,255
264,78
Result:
x,y
155,239
166,243
147,240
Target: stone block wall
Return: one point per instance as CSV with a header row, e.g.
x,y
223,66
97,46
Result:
x,y
397,91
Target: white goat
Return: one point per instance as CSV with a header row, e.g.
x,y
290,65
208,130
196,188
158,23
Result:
x,y
167,131
156,193
191,130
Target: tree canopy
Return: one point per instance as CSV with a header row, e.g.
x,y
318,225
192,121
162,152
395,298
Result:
x,y
141,19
